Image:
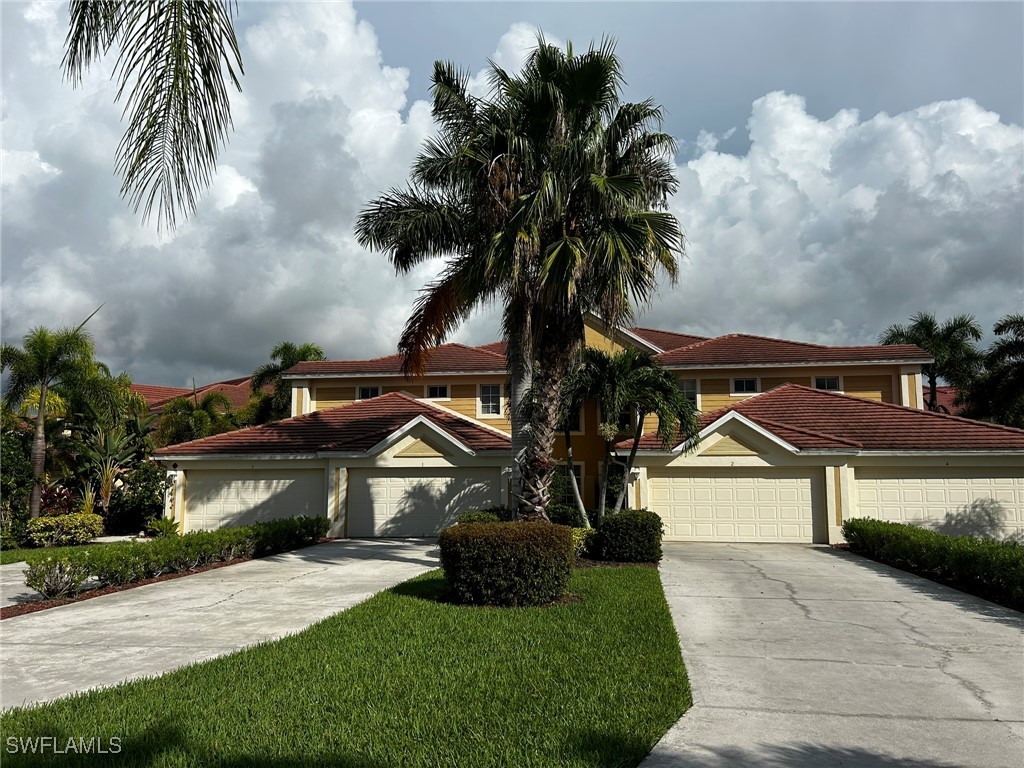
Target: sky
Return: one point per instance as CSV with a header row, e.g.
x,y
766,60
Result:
x,y
841,167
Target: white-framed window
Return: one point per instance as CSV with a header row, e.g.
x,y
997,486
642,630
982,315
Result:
x,y
566,496
489,401
575,423
829,383
689,387
366,392
745,387
436,392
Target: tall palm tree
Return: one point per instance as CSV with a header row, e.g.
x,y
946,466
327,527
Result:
x,y
549,196
46,359
951,343
192,418
172,58
632,382
998,393
284,356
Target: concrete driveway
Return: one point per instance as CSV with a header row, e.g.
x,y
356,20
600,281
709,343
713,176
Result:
x,y
806,656
153,629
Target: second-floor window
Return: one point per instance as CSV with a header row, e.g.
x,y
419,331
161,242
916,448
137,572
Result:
x,y
437,391
744,386
490,399
365,393
689,387
827,382
575,423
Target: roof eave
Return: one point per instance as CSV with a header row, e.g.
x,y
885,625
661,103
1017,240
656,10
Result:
x,y
398,374
701,366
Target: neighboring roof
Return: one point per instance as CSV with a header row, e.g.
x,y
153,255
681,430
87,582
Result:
x,y
497,347
812,419
667,340
944,397
745,349
351,428
154,393
447,358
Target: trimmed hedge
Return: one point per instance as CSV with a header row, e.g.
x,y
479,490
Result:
x,y
583,541
507,564
127,562
630,536
478,517
987,568
566,514
64,530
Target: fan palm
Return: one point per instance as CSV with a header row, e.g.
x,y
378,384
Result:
x,y
951,343
172,58
192,418
284,356
548,196
46,360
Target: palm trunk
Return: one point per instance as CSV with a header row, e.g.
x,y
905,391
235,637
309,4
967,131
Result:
x,y
38,456
572,478
520,372
933,397
637,434
602,492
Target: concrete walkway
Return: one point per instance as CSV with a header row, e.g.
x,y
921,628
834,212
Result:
x,y
153,629
806,656
13,589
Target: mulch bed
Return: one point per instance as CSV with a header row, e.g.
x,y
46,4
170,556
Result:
x,y
10,611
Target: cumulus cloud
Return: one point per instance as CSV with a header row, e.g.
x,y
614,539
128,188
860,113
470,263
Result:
x,y
829,230
825,229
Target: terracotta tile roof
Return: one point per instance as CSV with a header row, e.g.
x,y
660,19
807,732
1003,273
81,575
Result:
x,y
237,391
356,427
945,397
744,349
154,393
446,358
812,419
497,347
666,340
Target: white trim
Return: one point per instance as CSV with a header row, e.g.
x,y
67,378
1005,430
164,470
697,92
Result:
x,y
380,391
838,377
420,420
479,402
920,392
426,393
732,386
610,331
721,422
583,427
697,402
464,417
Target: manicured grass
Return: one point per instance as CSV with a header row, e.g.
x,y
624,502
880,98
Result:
x,y
35,553
405,680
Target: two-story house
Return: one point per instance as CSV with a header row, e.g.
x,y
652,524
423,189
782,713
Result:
x,y
795,438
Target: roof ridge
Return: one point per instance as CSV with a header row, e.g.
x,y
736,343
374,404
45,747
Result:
x,y
770,338
972,422
804,430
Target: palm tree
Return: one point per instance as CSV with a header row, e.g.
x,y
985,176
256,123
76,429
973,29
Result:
x,y
632,382
285,355
104,454
548,195
998,393
192,418
172,57
46,359
951,343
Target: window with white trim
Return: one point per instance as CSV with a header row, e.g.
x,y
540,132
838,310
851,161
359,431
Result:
x,y
490,400
564,487
689,387
744,386
437,391
830,383
365,393
575,422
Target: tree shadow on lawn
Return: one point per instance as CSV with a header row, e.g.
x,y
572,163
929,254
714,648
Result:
x,y
158,745
935,590
796,755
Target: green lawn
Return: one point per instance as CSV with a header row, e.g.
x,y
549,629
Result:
x,y
35,553
405,680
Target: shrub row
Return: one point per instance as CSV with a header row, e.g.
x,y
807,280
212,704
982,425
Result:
x,y
64,530
984,567
127,562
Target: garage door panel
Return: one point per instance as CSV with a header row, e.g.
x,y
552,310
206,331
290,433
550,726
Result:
x,y
229,498
736,505
954,500
417,502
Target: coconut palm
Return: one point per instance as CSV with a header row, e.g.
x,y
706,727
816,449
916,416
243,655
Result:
x,y
172,58
284,356
951,343
46,360
192,418
549,196
628,382
998,392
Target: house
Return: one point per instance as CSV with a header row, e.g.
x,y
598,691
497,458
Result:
x,y
795,438
237,391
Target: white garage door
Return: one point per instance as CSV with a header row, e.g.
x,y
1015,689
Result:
x,y
737,504
957,501
226,498
416,502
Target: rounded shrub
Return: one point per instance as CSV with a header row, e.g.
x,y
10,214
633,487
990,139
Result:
x,y
65,530
566,514
478,517
502,564
630,536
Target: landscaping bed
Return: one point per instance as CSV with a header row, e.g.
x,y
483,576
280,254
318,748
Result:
x,y
408,679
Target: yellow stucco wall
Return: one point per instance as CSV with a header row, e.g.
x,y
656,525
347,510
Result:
x,y
876,387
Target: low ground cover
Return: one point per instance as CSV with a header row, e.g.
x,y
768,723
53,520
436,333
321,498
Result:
x,y
407,678
990,569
